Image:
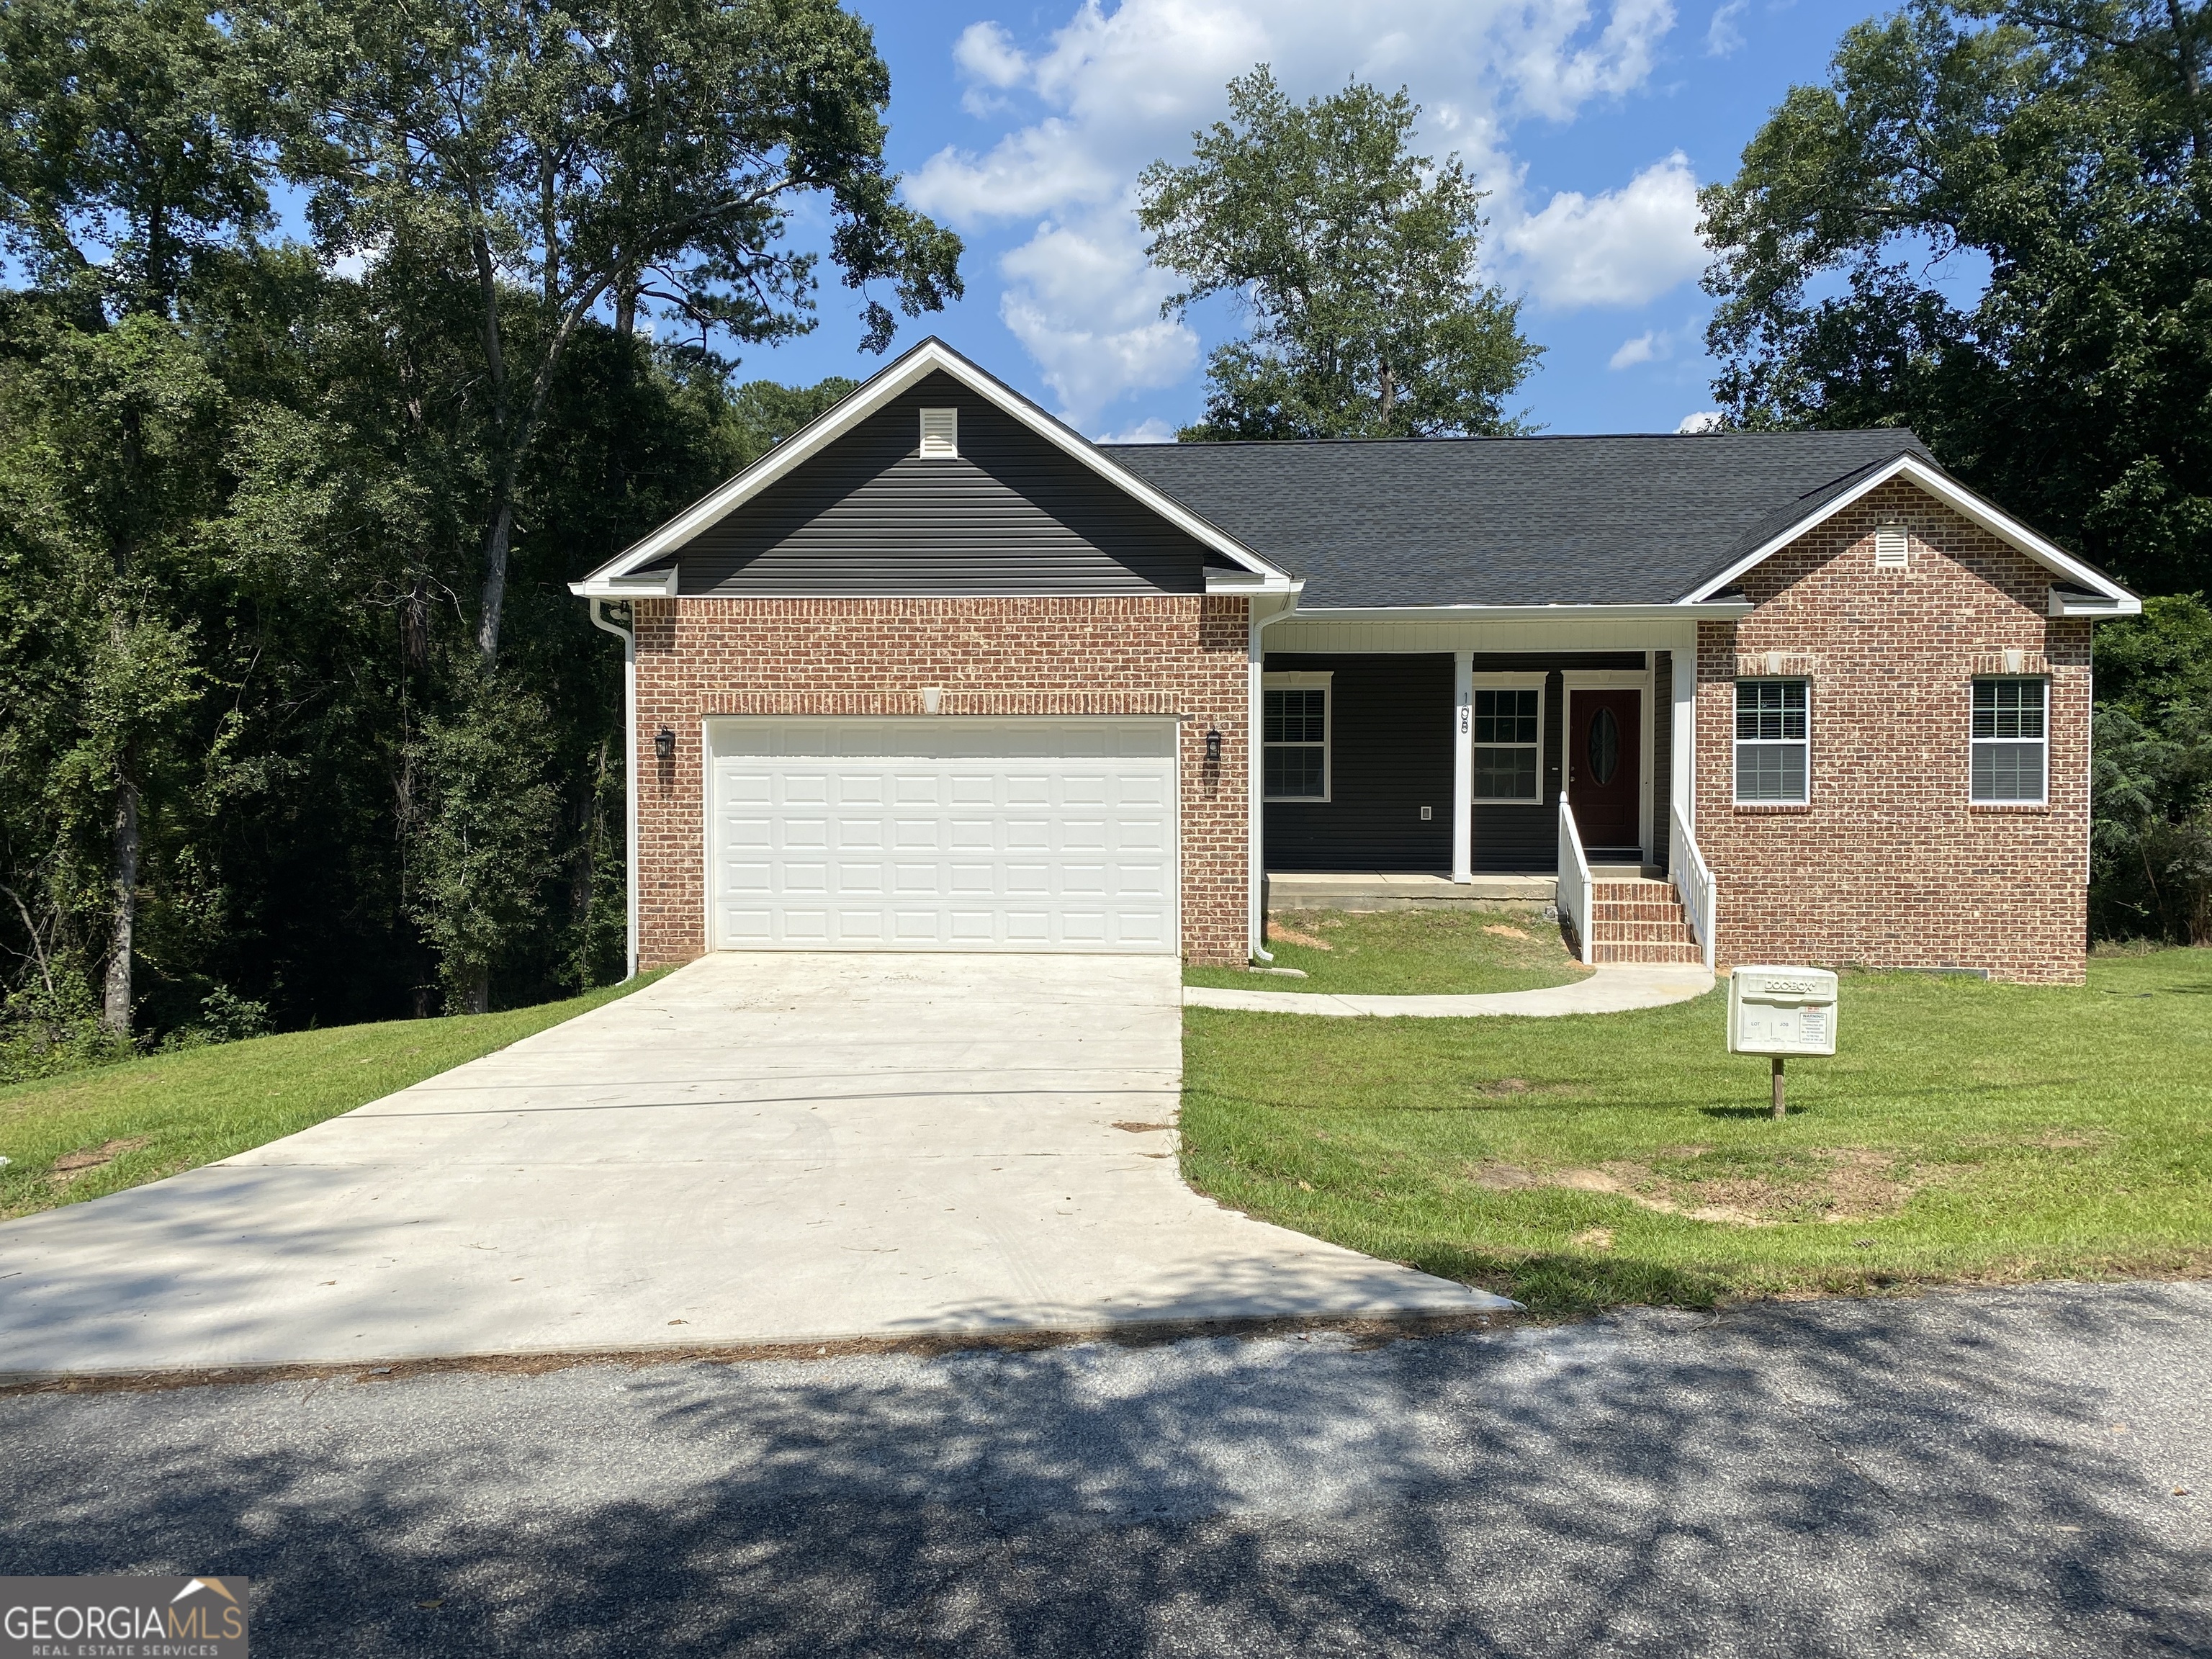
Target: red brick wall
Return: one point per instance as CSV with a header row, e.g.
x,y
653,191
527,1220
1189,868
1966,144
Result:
x,y
1183,655
1890,865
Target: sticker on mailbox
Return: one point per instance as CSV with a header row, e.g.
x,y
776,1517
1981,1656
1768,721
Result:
x,y
1782,1011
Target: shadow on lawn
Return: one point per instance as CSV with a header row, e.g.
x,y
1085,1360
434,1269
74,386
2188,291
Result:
x,y
1824,1480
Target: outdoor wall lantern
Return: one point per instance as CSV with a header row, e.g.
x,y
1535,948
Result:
x,y
664,745
1213,743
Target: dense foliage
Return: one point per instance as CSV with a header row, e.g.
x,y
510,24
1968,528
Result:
x,y
2063,147
302,723
1356,262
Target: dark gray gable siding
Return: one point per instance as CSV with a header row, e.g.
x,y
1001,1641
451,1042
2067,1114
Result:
x,y
1642,518
1014,514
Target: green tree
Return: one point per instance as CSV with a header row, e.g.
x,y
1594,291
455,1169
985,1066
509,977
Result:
x,y
1356,261
554,160
128,163
2063,141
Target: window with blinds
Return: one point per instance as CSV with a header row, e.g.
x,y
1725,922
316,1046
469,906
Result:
x,y
1773,742
1294,736
2011,742
1509,727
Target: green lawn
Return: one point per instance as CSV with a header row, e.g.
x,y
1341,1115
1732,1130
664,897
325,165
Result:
x,y
1964,1132
1406,952
122,1126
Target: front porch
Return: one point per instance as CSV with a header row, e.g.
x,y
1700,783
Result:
x,y
1544,764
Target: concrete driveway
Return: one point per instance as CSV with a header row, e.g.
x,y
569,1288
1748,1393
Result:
x,y
760,1149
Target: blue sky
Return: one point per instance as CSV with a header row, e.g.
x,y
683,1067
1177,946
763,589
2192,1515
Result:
x,y
1592,122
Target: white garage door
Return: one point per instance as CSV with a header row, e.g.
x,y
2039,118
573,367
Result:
x,y
945,833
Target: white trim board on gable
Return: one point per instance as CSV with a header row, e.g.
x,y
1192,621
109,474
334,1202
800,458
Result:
x,y
932,356
1961,501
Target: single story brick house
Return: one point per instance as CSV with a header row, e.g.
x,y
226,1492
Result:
x,y
939,673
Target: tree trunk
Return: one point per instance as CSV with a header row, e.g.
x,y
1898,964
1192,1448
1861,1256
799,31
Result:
x,y
590,823
2192,85
115,1013
476,997
495,581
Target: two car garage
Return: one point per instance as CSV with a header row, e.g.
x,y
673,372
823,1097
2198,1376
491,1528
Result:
x,y
929,834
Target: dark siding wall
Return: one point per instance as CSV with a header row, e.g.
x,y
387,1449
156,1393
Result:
x,y
1390,755
1014,514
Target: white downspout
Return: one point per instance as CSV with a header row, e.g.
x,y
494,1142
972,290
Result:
x,y
628,638
1256,907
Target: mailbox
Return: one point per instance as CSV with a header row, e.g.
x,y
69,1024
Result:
x,y
1782,1011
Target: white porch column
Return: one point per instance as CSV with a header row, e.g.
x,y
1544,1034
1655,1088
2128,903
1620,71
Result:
x,y
1462,766
1684,784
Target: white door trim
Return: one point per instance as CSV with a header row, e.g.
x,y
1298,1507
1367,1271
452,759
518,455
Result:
x,y
1572,680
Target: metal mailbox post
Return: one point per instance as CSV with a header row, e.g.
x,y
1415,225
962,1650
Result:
x,y
1782,1011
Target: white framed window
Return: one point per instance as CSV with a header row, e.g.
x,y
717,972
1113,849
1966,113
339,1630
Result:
x,y
940,435
1508,740
2011,741
1294,736
1773,742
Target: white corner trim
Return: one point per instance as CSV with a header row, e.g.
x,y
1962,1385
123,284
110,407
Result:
x,y
932,356
1953,494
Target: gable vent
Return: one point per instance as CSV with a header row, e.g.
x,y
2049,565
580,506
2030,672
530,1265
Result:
x,y
1889,547
940,435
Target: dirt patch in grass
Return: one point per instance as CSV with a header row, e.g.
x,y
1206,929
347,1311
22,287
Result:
x,y
1407,953
70,1166
1841,1184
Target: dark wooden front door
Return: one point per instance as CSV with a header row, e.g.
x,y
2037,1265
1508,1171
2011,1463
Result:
x,y
1605,742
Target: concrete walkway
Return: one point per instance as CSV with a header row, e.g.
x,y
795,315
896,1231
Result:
x,y
1611,989
757,1149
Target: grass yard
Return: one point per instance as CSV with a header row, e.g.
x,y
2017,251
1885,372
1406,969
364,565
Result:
x,y
1964,1132
89,1132
1407,953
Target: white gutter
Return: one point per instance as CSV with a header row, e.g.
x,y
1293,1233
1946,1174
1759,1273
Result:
x,y
629,773
1713,610
1262,615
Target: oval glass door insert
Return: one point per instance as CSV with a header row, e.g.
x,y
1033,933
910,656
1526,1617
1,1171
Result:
x,y
1604,746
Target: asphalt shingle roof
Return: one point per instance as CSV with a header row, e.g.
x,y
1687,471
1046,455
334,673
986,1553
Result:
x,y
1639,519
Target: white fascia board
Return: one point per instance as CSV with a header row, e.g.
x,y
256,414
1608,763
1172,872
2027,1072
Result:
x,y
931,356
1248,581
660,584
1713,609
2072,601
1953,494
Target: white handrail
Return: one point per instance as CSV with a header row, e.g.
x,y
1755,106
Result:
x,y
1574,878
1693,880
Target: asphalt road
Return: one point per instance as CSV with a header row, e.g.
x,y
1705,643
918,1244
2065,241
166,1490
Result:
x,y
1973,1474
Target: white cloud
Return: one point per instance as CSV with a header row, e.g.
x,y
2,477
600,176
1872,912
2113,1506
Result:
x,y
1702,419
1641,349
1082,300
1722,37
1153,430
1114,89
986,53
1624,247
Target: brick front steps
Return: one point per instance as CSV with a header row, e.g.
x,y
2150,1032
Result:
x,y
1640,921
